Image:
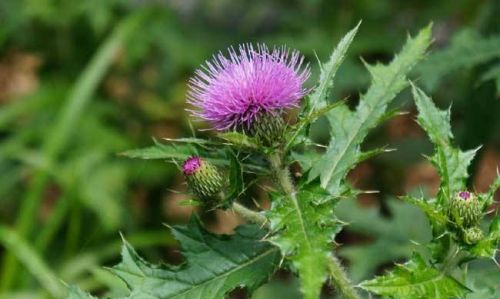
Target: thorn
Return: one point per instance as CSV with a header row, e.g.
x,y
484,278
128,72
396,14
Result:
x,y
415,242
370,192
496,262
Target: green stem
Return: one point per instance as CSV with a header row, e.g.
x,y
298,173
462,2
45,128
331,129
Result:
x,y
340,280
282,175
250,215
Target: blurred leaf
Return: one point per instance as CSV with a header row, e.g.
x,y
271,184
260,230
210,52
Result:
x,y
415,279
393,236
492,74
239,140
76,293
32,261
467,50
483,277
348,129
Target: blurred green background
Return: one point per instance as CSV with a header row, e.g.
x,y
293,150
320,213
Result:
x,y
81,81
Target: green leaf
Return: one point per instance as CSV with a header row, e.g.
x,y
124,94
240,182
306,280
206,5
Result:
x,y
393,235
349,128
76,293
318,99
492,74
178,152
31,260
450,162
305,229
483,277
467,50
494,230
435,214
239,140
415,280
214,265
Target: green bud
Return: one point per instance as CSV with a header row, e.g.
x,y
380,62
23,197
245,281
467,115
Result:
x,y
472,235
464,209
203,178
268,128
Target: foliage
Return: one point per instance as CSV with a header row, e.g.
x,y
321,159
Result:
x,y
395,238
449,249
416,279
348,129
83,81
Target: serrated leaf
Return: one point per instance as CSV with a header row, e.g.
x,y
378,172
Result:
x,y
182,150
450,162
393,235
349,128
306,228
414,280
318,99
214,265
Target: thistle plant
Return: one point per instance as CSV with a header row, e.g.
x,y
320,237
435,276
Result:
x,y
245,97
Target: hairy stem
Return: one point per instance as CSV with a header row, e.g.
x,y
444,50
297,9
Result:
x,y
250,215
340,280
282,176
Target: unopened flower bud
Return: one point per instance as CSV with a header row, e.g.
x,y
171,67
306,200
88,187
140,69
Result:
x,y
472,235
268,128
464,209
203,178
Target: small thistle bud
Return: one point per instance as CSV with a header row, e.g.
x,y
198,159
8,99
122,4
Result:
x,y
268,128
203,178
464,209
472,235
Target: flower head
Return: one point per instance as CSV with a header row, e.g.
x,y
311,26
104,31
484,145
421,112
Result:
x,y
203,178
231,92
191,165
465,195
464,209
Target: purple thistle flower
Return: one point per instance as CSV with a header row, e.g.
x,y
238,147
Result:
x,y
230,93
191,165
465,195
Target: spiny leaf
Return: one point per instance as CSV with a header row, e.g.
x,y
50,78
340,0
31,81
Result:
x,y
318,99
180,151
415,280
348,128
306,228
393,236
450,162
214,265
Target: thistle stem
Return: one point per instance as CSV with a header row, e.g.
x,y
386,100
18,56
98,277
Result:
x,y
340,280
282,175
250,215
